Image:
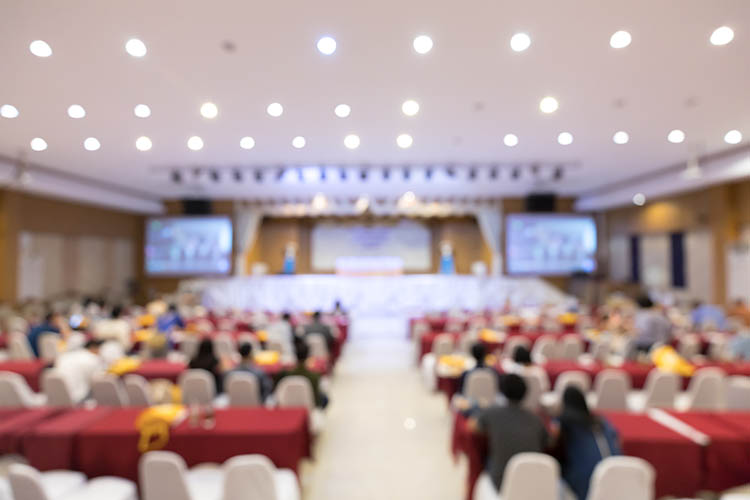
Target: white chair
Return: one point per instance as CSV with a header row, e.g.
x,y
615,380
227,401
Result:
x,y
107,390
481,386
243,389
689,346
58,390
19,347
163,474
738,393
600,350
136,388
659,392
622,478
536,384
571,347
705,392
551,400
427,369
295,392
16,393
225,346
466,343
514,342
189,346
199,387
49,346
318,345
544,349
254,477
28,483
527,476
718,347
611,389
443,345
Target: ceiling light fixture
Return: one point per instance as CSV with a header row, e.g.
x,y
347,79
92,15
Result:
x,y
8,111
91,144
548,105
621,137
76,111
342,110
275,109
722,35
510,140
38,144
422,44
247,142
733,137
520,42
142,111
40,48
410,107
565,138
143,143
676,136
299,142
351,141
404,141
209,110
195,143
639,199
135,47
326,45
620,40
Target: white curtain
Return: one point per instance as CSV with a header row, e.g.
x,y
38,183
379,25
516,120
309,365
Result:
x,y
490,221
247,224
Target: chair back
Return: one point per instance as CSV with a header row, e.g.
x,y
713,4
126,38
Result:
x,y
571,347
295,391
707,390
611,388
576,378
49,346
622,478
466,342
443,345
718,348
136,388
738,393
26,483
225,346
600,350
481,386
198,387
249,477
531,475
19,347
107,390
318,346
535,387
189,346
513,342
14,391
162,475
661,389
243,389
689,346
545,348
57,389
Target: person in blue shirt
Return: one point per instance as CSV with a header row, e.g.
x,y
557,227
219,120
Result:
x,y
50,325
584,440
704,314
170,320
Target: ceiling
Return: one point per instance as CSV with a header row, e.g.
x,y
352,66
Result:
x,y
472,90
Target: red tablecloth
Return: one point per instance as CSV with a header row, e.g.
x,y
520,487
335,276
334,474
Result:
x,y
426,341
109,446
473,446
160,368
51,444
14,424
31,370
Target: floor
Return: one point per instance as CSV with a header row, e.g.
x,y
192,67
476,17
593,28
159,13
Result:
x,y
386,437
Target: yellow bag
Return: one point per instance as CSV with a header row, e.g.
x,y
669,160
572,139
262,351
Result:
x,y
666,359
490,335
124,366
568,318
267,357
154,423
262,335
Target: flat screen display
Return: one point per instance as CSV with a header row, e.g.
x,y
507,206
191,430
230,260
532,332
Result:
x,y
181,246
548,244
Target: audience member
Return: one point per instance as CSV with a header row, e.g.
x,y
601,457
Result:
x,y
479,353
247,365
281,331
741,312
584,440
739,346
707,316
205,359
115,328
522,356
170,320
317,326
79,366
301,369
651,325
53,324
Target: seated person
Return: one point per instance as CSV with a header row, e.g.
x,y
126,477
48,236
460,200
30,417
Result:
x,y
739,346
741,312
510,430
704,315
205,359
584,440
301,369
479,353
317,326
651,326
115,328
170,320
281,331
247,365
79,367
53,323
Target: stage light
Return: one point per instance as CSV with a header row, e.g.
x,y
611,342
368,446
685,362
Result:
x,y
40,48
362,204
176,177
620,40
299,142
404,141
565,138
142,111
422,44
520,42
408,199
76,111
136,48
410,107
351,141
319,201
510,140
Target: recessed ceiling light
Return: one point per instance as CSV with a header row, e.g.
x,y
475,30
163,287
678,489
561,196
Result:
x,y
91,144
135,47
8,111
733,137
548,105
319,201
639,199
342,110
620,40
209,110
299,142
676,136
510,140
195,143
327,45
351,141
38,144
565,138
76,111
722,35
247,143
404,141
143,143
422,44
275,109
407,199
40,48
410,107
142,111
520,42
362,203
621,137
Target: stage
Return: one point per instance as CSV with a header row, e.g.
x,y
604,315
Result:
x,y
405,295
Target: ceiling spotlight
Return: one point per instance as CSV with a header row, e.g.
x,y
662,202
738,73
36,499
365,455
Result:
x,y
176,177
209,110
733,137
621,137
214,174
143,143
351,141
275,109
404,141
38,144
8,111
195,143
237,175
327,45
342,110
520,42
410,107
548,105
639,199
91,144
142,111
558,173
76,111
299,142
510,140
40,48
422,44
408,199
258,175
565,138
722,36
135,47
247,142
362,204
676,136
620,40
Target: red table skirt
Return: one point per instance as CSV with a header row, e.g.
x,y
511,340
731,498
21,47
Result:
x,y
473,446
30,370
14,424
109,446
160,368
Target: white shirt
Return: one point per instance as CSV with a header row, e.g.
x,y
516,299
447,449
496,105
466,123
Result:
x,y
79,367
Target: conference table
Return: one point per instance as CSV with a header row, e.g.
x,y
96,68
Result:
x,y
428,339
15,423
31,370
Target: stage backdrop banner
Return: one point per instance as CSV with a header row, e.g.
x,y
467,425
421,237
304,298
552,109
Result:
x,y
407,240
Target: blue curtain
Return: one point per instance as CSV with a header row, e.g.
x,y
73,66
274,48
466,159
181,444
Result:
x,y
678,259
635,258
